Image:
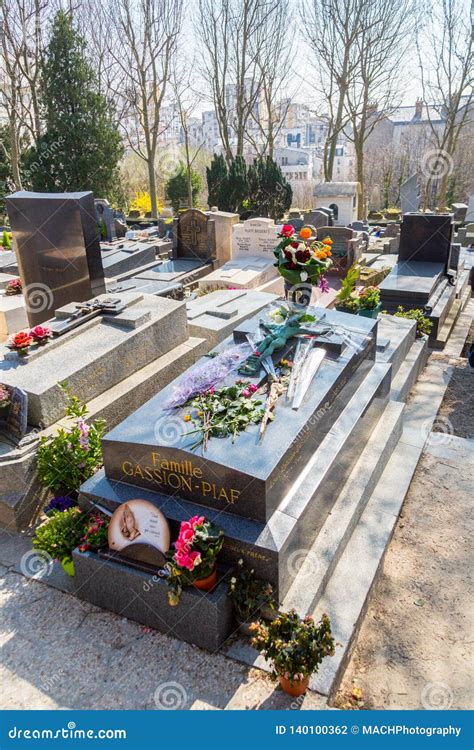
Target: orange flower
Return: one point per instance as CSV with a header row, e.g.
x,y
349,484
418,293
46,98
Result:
x,y
305,233
327,241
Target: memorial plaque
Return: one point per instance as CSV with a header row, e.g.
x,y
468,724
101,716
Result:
x,y
255,237
140,531
58,250
193,239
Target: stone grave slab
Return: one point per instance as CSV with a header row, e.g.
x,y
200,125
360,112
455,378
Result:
x,y
459,210
127,257
470,210
410,284
223,222
426,238
7,261
216,314
241,273
58,251
13,317
316,218
179,271
247,478
96,355
147,286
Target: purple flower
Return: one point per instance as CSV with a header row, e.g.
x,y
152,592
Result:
x,y
60,504
323,284
83,434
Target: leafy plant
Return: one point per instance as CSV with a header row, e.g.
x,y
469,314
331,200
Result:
x,y
177,186
223,412
196,549
346,296
74,453
295,646
95,532
423,324
369,298
6,240
61,533
249,594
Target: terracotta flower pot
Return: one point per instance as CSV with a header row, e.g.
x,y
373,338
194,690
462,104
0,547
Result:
x,y
295,688
208,583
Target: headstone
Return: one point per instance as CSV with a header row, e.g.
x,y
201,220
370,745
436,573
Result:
x,y
58,249
392,230
316,218
223,222
410,195
470,210
257,236
460,210
296,223
426,237
14,423
193,240
329,213
105,217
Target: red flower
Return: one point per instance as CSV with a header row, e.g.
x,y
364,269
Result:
x,y
21,340
302,256
287,230
39,333
288,255
292,267
295,244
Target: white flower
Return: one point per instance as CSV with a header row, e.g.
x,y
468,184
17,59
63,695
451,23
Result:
x,y
303,276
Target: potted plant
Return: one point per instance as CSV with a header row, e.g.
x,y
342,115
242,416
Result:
x,y
60,534
302,263
13,287
369,301
40,335
249,595
347,299
20,343
295,646
423,324
193,563
73,454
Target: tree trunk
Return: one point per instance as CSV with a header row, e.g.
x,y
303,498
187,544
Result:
x,y
152,184
359,150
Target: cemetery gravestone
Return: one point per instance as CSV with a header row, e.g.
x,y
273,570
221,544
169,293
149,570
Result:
x,y
255,237
193,240
222,223
316,218
470,210
410,195
58,249
105,217
426,237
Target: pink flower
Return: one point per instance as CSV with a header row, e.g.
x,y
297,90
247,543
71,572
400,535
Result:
x,y
246,393
323,284
83,434
186,537
40,333
287,230
253,388
188,560
196,521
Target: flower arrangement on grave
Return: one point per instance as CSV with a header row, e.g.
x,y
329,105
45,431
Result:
x,y
193,562
295,646
423,324
300,260
20,342
74,453
5,396
65,530
13,287
40,335
347,299
249,594
223,412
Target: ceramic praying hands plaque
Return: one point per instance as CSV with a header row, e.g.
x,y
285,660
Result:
x,y
139,531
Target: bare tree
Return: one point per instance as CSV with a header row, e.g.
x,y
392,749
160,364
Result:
x,y
333,28
446,59
187,98
143,37
231,34
375,89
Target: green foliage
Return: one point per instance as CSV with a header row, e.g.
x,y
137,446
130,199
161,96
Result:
x,y
74,453
295,647
369,298
346,296
270,194
423,324
177,186
61,533
249,595
6,241
260,188
6,175
81,145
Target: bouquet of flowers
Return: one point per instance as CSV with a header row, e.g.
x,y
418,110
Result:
x,y
13,287
194,560
302,260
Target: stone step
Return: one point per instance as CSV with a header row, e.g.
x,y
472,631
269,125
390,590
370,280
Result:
x,y
441,308
409,371
346,596
439,341
272,549
122,399
325,552
401,334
